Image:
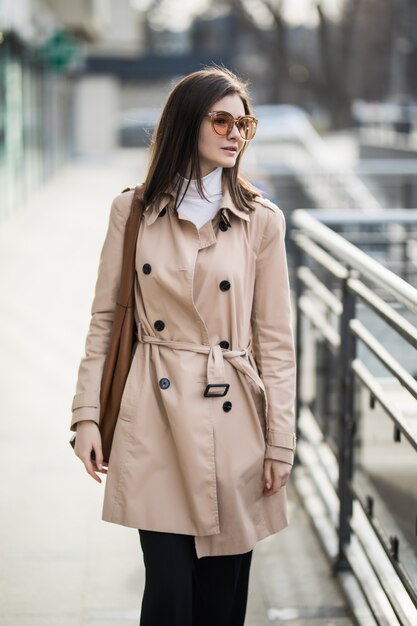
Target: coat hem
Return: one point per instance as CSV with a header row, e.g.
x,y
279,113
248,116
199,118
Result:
x,y
111,519
244,547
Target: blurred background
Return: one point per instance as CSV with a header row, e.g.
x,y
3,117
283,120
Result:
x,y
82,78
334,87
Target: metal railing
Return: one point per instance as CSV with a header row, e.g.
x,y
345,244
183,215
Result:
x,y
389,135
355,319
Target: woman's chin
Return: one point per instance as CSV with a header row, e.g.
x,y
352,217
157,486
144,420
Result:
x,y
228,162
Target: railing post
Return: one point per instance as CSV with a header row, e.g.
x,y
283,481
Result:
x,y
298,290
404,257
346,420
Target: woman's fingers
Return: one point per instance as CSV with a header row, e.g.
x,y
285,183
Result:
x,y
99,468
88,463
268,474
276,475
96,464
88,440
268,478
98,461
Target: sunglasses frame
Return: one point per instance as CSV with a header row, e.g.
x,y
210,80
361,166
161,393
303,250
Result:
x,y
232,121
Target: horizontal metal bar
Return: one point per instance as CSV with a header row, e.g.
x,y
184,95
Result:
x,y
397,565
384,356
376,239
309,309
386,167
371,586
319,289
330,441
326,533
356,258
357,216
371,383
318,254
384,310
358,560
397,168
307,454
311,432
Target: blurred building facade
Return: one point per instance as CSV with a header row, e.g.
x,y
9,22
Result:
x,y
40,44
72,73
137,77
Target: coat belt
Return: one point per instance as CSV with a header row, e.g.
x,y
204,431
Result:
x,y
215,362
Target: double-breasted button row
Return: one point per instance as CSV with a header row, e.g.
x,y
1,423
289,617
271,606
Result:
x,y
224,344
159,325
227,406
224,285
147,268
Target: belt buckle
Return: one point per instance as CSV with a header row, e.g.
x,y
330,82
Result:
x,y
220,395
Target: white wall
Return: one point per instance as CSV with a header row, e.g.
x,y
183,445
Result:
x,y
144,94
96,111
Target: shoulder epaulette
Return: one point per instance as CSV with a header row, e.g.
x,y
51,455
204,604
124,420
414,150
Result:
x,y
267,203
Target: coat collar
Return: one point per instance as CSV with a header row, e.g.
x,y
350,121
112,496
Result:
x,y
167,199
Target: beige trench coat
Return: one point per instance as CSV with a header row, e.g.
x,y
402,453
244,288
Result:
x,y
213,307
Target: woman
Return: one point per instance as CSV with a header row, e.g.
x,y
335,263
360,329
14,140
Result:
x,y
205,440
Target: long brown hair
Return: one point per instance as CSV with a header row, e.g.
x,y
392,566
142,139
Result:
x,y
174,144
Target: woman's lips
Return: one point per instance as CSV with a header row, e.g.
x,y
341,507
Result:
x,y
230,150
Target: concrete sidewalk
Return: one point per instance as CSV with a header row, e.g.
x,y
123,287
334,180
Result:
x,y
60,564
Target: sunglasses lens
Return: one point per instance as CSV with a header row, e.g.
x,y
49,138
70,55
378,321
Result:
x,y
221,123
247,127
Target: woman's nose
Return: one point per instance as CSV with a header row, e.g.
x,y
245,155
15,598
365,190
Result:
x,y
234,132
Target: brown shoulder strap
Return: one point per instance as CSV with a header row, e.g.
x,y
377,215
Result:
x,y
126,292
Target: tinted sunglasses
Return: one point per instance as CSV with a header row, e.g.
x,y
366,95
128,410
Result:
x,y
222,123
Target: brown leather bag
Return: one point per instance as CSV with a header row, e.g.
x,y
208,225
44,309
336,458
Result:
x,y
122,337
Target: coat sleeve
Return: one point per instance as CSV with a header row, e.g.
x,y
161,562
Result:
x,y
272,337
86,401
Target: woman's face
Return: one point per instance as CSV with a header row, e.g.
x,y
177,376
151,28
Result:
x,y
215,150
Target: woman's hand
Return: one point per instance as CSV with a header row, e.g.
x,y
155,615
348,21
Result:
x,y
88,438
276,474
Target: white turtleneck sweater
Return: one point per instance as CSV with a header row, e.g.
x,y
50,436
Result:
x,y
196,208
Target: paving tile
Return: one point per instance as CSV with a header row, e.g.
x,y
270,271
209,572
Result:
x,y
33,619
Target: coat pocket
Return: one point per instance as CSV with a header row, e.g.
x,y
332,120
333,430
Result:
x,y
258,402
131,394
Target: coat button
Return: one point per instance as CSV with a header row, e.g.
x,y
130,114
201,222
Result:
x,y
224,285
162,213
224,344
227,406
159,325
223,226
147,268
164,383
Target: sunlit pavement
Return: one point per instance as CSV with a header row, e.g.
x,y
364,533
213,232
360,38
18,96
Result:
x,y
60,564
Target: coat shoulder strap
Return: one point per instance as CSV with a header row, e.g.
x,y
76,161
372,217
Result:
x,y
267,203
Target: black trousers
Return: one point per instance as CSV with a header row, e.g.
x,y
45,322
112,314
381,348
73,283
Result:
x,y
182,590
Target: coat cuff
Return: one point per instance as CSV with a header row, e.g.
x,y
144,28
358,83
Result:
x,y
85,406
280,446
